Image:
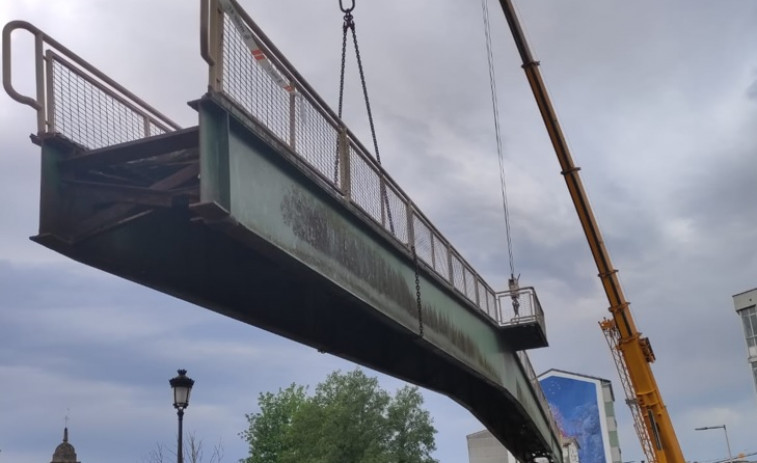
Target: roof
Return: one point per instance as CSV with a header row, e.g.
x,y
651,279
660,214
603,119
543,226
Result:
x,y
741,293
603,381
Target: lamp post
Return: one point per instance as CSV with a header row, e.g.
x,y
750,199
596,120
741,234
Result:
x,y
182,386
727,443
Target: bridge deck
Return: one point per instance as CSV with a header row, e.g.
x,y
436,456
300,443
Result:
x,y
259,238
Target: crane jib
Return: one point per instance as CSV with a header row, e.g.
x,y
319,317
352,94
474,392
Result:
x,y
634,354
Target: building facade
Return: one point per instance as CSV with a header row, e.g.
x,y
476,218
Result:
x,y
746,307
483,447
584,408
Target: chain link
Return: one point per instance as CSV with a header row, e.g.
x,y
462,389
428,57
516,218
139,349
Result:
x,y
349,23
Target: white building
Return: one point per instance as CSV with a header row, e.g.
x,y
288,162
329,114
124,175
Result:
x,y
483,447
746,306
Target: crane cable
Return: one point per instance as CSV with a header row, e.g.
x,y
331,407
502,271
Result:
x,y
349,24
513,281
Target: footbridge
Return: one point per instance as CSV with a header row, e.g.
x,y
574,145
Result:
x,y
271,212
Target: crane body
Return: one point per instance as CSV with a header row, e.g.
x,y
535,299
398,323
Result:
x,y
632,352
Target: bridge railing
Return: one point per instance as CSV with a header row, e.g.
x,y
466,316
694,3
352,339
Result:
x,y
520,306
534,380
75,99
246,68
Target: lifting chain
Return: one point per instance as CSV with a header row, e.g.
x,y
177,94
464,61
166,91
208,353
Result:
x,y
346,10
349,24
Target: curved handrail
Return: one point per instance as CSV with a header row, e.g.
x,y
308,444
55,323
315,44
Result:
x,y
7,75
205,48
38,103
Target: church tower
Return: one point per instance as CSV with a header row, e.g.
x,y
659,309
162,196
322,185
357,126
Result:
x,y
64,452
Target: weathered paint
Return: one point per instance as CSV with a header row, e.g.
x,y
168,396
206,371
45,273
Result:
x,y
278,202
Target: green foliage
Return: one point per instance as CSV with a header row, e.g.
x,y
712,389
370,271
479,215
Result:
x,y
349,419
268,429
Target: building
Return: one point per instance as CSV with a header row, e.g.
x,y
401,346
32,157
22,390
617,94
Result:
x,y
64,452
746,307
483,447
584,408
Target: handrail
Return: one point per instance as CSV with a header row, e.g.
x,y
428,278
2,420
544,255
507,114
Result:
x,y
39,37
205,32
212,43
39,103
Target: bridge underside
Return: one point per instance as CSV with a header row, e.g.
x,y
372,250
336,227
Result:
x,y
263,242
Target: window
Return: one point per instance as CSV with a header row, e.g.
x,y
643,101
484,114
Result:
x,y
749,320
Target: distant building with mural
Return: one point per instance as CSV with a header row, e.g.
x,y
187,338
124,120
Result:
x,y
584,408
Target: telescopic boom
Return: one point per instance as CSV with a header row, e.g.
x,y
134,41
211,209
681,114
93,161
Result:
x,y
634,353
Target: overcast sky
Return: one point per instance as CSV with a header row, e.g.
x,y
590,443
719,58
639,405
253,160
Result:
x,y
657,99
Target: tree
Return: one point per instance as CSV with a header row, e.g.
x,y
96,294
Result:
x,y
194,452
269,428
412,431
349,419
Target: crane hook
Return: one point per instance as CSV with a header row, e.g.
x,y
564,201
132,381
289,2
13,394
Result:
x,y
346,10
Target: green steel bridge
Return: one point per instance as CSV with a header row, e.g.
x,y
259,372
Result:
x,y
271,212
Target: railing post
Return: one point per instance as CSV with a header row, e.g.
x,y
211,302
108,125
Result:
x,y
433,251
40,71
410,225
212,42
50,103
465,279
449,265
343,151
292,118
382,195
475,289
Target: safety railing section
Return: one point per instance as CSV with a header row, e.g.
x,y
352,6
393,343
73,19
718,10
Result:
x,y
76,100
248,70
520,306
536,385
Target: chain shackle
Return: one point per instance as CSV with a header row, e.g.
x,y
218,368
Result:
x,y
346,10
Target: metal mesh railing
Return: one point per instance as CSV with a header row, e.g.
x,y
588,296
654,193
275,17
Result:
x,y
91,115
534,380
527,310
289,116
253,75
78,101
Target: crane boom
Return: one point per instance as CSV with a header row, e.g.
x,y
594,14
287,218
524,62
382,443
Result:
x,y
634,353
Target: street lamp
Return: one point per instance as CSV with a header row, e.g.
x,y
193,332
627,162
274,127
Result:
x,y
182,386
727,443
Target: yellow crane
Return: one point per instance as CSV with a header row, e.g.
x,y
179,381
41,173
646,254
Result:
x,y
632,352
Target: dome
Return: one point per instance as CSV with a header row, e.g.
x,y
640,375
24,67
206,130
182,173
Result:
x,y
64,452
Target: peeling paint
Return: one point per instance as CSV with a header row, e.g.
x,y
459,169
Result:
x,y
317,225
